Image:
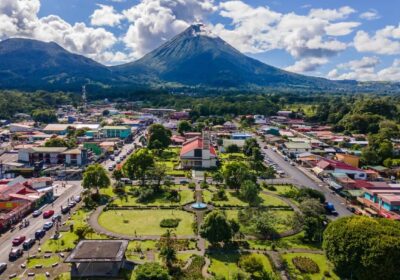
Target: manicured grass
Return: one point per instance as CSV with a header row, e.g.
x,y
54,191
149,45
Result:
x,y
143,245
320,259
145,222
42,261
186,196
291,242
282,218
268,200
282,189
234,200
184,256
226,264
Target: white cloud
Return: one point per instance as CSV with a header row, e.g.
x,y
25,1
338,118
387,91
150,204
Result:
x,y
384,41
307,64
105,16
332,14
341,28
155,21
365,69
19,18
310,39
370,15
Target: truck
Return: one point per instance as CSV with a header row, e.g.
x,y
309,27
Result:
x,y
330,209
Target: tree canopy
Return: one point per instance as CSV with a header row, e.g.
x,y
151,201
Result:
x,y
95,176
151,271
364,248
216,228
159,137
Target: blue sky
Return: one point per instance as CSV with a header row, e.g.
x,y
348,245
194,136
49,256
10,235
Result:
x,y
338,39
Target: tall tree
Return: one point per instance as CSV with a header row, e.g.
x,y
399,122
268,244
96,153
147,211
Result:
x,y
184,126
216,228
235,173
249,192
364,248
168,251
138,164
95,177
159,133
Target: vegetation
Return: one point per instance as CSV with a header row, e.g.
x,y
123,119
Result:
x,y
217,228
363,247
151,271
305,265
95,177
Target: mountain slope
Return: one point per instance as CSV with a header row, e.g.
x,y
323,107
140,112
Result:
x,y
26,63
197,57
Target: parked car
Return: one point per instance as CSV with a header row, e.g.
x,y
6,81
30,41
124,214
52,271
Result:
x,y
47,225
183,182
15,254
18,240
71,203
56,217
64,209
28,244
112,157
77,198
110,168
3,267
126,181
330,208
37,213
39,234
47,214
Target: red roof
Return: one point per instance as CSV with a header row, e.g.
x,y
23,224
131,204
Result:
x,y
325,163
193,144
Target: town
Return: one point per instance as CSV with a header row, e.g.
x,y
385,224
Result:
x,y
124,191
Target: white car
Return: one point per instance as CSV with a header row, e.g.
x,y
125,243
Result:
x,y
48,225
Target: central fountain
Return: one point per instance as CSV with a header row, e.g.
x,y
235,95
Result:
x,y
199,206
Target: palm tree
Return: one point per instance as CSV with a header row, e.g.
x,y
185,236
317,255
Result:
x,y
168,252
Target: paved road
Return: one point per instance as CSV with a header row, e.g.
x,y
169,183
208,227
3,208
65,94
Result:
x,y
298,177
37,223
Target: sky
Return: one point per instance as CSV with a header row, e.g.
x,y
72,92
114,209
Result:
x,y
337,39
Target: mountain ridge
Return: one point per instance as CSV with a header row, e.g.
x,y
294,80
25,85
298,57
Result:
x,y
194,59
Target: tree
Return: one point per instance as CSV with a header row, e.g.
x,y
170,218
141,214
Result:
x,y
364,248
184,126
95,176
216,228
311,219
249,192
117,174
218,178
233,148
248,146
235,173
56,142
45,116
157,175
168,252
151,271
264,224
159,133
138,164
253,265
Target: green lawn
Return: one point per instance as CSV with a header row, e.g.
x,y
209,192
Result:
x,y
186,196
291,242
226,264
282,218
282,189
234,200
322,262
42,261
145,222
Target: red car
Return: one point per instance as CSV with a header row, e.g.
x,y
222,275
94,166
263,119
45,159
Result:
x,y
18,240
47,214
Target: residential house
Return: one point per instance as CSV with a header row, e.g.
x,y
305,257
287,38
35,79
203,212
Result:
x,y
348,159
333,166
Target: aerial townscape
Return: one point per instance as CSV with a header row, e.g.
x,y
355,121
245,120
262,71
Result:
x,y
151,141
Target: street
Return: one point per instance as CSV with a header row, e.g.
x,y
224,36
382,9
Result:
x,y
300,179
37,223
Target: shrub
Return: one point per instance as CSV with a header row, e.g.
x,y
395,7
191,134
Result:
x,y
170,223
145,195
327,274
271,188
192,185
220,195
305,265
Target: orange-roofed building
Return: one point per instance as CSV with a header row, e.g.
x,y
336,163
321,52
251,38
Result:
x,y
198,153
